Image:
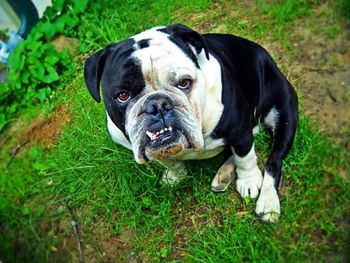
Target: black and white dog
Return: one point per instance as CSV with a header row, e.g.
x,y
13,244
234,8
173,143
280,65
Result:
x,y
172,94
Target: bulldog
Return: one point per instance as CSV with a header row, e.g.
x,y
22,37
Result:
x,y
172,94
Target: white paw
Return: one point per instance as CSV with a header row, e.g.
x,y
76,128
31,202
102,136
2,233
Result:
x,y
249,182
268,205
172,178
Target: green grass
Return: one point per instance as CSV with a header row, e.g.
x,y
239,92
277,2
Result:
x,y
344,8
108,192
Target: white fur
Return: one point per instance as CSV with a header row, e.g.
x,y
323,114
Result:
x,y
271,119
212,144
256,130
249,176
116,134
149,33
212,147
268,204
213,108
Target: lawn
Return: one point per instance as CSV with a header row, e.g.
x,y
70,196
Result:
x,y
68,194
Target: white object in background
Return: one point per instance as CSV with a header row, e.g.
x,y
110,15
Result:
x,y
8,18
41,6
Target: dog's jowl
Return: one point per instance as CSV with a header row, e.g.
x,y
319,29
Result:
x,y
172,94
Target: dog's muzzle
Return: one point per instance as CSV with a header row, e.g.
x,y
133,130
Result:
x,y
164,130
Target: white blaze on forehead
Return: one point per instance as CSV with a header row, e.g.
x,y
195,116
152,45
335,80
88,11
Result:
x,y
162,59
149,34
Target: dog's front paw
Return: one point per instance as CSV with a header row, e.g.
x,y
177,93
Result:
x,y
249,182
223,177
268,205
172,178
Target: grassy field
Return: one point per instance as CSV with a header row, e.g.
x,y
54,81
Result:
x,y
80,197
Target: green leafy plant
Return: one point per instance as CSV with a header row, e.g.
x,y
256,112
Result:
x,y
35,65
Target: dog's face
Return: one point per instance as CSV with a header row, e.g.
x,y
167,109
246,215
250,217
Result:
x,y
153,89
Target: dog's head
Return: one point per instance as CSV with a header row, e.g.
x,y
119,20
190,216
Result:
x,y
153,89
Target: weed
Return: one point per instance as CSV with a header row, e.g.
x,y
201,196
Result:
x,y
286,11
333,30
344,8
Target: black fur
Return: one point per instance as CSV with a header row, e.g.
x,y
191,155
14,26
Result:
x,y
252,86
117,72
144,43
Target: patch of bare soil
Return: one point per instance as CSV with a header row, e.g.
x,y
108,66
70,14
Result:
x,y
322,63
62,42
41,130
104,247
45,130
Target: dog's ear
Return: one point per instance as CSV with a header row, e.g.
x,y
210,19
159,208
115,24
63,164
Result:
x,y
190,36
93,69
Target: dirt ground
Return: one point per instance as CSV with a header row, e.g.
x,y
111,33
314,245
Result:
x,y
322,63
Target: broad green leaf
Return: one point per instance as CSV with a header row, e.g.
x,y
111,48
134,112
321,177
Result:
x,y
49,29
51,76
43,94
58,5
52,59
79,6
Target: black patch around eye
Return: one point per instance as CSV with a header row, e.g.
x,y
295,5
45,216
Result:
x,y
143,43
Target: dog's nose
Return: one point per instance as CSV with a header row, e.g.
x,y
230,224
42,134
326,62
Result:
x,y
157,106
160,111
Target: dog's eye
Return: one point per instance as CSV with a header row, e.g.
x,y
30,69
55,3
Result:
x,y
123,97
184,84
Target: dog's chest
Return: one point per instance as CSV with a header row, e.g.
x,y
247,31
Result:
x,y
211,148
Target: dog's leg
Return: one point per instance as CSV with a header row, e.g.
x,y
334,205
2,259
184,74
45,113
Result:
x,y
249,178
224,176
176,170
282,124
